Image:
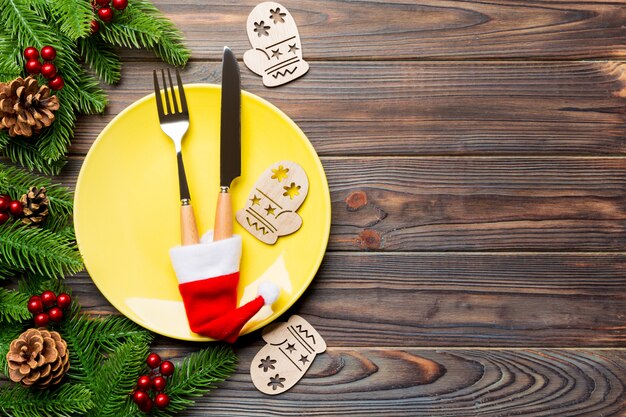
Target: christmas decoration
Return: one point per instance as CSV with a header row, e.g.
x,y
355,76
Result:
x,y
22,246
48,53
26,107
47,307
208,274
15,208
107,355
35,206
276,52
155,382
71,32
38,358
290,350
48,70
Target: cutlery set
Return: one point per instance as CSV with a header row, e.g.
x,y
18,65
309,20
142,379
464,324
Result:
x,y
174,122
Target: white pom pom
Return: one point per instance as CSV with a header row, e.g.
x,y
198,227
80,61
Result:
x,y
269,291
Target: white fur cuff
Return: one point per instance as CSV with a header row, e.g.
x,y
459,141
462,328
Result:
x,y
207,259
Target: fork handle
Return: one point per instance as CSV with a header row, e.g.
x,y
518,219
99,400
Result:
x,y
188,228
223,216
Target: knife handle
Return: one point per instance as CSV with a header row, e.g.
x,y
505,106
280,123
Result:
x,y
188,228
223,216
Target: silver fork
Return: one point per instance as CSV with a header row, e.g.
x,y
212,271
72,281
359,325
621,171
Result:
x,y
175,124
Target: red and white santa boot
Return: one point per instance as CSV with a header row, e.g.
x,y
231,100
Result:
x,y
208,276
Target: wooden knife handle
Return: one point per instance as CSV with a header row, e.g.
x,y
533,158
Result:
x,y
223,217
188,228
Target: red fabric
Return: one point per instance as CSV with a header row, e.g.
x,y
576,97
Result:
x,y
211,307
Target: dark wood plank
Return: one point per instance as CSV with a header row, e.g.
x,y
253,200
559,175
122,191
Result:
x,y
457,299
440,29
429,108
428,382
472,204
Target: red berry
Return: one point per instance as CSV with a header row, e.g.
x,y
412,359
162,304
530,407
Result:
x,y
16,208
146,406
153,360
105,14
63,300
4,202
31,53
162,401
140,397
48,70
167,368
119,4
41,320
48,53
56,83
159,383
35,306
4,216
144,382
33,66
102,2
48,298
56,314
95,26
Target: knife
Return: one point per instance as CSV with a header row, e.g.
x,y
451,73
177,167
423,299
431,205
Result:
x,y
230,143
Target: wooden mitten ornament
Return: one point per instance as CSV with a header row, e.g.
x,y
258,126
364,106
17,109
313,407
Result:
x,y
290,350
270,210
276,52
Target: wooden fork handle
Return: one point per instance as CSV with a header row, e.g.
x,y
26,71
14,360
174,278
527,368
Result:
x,y
188,228
223,216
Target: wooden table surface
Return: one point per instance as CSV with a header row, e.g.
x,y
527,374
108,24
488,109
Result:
x,y
475,157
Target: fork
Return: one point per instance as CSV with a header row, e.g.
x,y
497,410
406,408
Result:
x,y
175,124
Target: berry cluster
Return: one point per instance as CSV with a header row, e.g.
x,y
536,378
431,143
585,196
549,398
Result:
x,y
48,307
8,206
154,381
104,8
47,69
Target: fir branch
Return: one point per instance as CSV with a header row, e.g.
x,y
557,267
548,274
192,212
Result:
x,y
54,141
101,58
13,306
170,46
9,66
116,378
15,182
25,25
143,25
27,155
199,373
67,400
75,17
38,250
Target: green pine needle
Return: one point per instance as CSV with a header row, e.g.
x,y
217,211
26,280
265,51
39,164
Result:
x,y
116,378
66,400
27,155
75,17
25,25
38,250
13,306
7,272
102,58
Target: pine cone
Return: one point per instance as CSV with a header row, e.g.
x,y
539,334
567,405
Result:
x,y
38,358
35,203
26,107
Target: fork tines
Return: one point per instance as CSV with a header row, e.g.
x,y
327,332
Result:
x,y
171,102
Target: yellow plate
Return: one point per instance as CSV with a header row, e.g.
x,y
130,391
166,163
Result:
x,y
127,207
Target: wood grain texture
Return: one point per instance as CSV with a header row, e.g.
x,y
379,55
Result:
x,y
428,382
428,108
456,299
437,29
473,204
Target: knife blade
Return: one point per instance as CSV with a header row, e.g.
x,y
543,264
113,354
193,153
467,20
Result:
x,y
230,143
